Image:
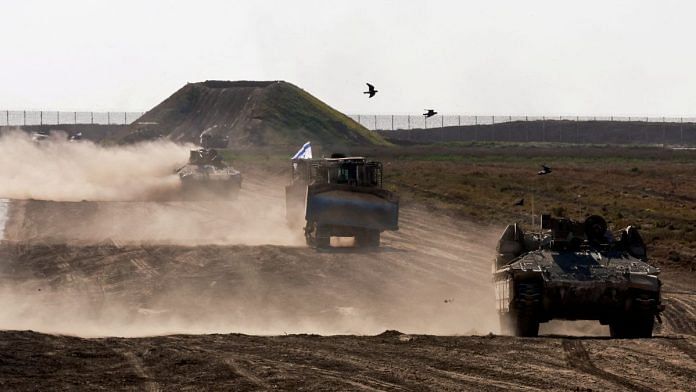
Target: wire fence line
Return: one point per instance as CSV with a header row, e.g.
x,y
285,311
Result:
x,y
35,117
369,121
382,122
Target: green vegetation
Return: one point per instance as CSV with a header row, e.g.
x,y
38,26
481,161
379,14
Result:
x,y
647,187
298,113
651,188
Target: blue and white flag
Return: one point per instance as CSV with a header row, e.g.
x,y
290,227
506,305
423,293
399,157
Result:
x,y
304,153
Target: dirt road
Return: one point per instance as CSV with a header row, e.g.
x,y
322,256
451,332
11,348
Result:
x,y
390,361
80,269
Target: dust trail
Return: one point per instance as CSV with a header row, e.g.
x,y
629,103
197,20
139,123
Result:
x,y
56,169
4,207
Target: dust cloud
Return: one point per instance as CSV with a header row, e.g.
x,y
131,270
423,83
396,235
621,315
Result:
x,y
82,193
100,253
56,169
427,278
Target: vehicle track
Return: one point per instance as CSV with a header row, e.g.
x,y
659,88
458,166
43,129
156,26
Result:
x,y
579,359
684,346
149,385
680,313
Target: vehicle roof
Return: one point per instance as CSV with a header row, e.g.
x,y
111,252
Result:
x,y
344,159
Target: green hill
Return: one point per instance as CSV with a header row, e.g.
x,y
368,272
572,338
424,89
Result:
x,y
249,113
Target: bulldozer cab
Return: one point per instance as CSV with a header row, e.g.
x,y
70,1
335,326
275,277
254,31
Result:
x,y
354,171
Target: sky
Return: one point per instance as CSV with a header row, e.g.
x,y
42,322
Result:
x,y
617,58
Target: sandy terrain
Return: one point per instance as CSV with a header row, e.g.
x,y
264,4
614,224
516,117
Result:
x,y
193,276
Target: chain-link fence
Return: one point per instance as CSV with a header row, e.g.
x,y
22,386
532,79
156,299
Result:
x,y
29,117
393,122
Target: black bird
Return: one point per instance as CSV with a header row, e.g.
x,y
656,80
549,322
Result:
x,y
429,113
370,90
544,170
519,202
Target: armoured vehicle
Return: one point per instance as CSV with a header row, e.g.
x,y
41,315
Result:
x,y
576,271
340,197
207,176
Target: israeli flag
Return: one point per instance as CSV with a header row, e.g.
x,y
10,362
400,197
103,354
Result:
x,y
304,153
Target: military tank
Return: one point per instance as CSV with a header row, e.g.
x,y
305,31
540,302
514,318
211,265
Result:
x,y
208,176
574,270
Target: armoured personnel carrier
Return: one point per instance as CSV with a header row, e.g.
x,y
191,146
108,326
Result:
x,y
576,271
340,197
207,176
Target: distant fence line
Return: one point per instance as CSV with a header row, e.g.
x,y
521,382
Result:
x,y
369,121
395,122
31,117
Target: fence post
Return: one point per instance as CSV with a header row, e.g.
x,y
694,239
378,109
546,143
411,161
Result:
x,y
58,118
460,120
25,117
681,130
41,118
475,120
108,118
543,128
7,117
408,119
91,117
442,121
375,121
392,122
359,120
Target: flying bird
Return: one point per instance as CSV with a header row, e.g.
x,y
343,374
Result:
x,y
429,113
519,202
544,170
370,90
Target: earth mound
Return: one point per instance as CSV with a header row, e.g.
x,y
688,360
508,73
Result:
x,y
248,113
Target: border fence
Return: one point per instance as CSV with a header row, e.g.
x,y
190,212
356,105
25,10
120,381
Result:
x,y
31,117
382,122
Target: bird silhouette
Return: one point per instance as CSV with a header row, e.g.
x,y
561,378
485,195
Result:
x,y
519,202
429,113
544,170
370,90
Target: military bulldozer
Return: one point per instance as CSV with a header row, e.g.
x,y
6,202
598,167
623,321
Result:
x,y
208,176
576,271
340,197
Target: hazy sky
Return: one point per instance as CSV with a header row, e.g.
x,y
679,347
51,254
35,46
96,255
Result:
x,y
483,57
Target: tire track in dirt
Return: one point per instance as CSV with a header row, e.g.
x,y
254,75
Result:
x,y
579,359
447,369
137,365
684,346
680,313
243,368
361,383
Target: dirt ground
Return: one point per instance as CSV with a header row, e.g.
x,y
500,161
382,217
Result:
x,y
179,298
389,361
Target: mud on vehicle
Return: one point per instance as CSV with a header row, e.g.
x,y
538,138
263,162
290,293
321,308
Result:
x,y
576,271
340,197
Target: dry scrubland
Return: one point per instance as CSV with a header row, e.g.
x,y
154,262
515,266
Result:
x,y
650,187
81,268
